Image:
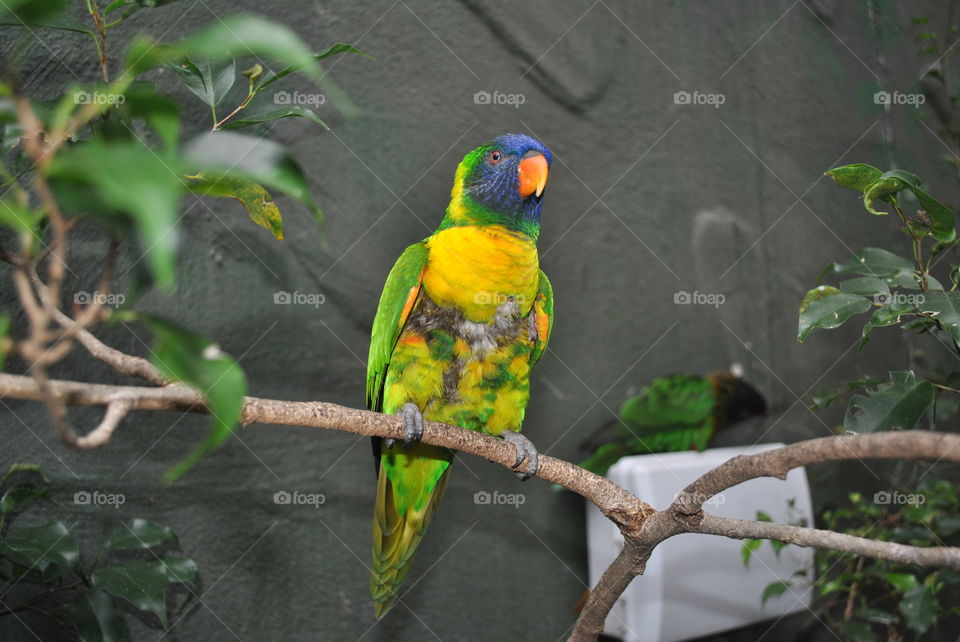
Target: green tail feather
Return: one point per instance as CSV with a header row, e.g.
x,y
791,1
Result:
x,y
409,488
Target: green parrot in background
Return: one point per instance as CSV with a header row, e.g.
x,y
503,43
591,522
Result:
x,y
671,414
464,316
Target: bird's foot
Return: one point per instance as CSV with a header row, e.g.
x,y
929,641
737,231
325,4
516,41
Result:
x,y
525,450
413,425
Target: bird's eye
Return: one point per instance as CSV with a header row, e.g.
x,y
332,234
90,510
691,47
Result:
x,y
495,156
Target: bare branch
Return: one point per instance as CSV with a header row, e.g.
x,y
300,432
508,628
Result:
x,y
890,551
119,361
686,516
642,526
907,444
621,506
116,411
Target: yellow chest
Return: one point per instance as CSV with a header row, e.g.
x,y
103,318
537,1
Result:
x,y
477,269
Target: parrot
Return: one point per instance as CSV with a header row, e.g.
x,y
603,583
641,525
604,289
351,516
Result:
x,y
464,316
673,413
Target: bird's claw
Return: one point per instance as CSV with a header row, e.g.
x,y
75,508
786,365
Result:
x,y
525,450
413,425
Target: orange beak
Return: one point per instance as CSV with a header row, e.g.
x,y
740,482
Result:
x,y
532,175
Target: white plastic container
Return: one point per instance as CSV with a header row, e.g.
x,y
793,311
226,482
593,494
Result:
x,y
695,585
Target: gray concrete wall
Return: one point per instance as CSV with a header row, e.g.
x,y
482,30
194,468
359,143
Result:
x,y
646,198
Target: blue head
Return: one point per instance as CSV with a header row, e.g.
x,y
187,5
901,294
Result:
x,y
502,182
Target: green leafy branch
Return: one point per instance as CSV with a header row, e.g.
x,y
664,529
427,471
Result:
x,y
137,565
81,156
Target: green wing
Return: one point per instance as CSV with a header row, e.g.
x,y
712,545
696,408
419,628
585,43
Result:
x,y
667,403
542,316
399,294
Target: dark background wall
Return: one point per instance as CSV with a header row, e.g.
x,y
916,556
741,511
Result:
x,y
646,198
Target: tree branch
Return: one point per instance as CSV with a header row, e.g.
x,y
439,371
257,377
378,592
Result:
x,y
801,536
685,515
642,526
619,505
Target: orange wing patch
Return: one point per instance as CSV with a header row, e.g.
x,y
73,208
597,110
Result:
x,y
411,299
541,319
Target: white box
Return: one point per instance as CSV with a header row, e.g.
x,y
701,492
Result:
x,y
694,584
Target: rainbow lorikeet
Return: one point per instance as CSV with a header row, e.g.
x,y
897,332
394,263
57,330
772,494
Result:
x,y
674,413
464,316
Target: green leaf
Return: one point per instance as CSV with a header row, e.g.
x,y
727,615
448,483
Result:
x,y
232,37
263,161
919,609
184,356
133,179
903,582
249,120
884,189
209,80
831,586
40,547
897,405
824,399
875,261
866,286
142,584
879,616
746,551
62,22
772,590
884,316
97,617
159,112
947,525
19,218
29,12
335,49
826,307
941,217
876,186
180,570
20,494
854,631
19,468
140,534
945,306
777,547
257,201
858,176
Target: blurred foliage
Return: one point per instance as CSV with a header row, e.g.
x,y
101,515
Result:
x,y
113,152
43,572
862,598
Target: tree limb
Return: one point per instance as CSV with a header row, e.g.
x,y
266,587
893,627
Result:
x,y
642,526
685,515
